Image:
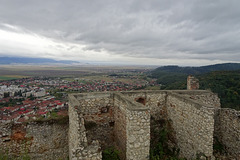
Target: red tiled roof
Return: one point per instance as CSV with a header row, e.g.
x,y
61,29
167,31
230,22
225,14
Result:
x,y
42,112
21,119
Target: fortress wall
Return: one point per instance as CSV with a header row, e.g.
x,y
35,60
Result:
x,y
120,125
79,148
97,111
94,103
190,113
138,134
193,124
132,128
202,96
154,100
77,134
227,130
36,140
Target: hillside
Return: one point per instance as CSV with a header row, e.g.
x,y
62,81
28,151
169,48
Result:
x,y
225,83
196,70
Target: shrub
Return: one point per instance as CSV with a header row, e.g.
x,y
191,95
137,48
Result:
x,y
110,154
161,150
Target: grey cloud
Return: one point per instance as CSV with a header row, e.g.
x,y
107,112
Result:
x,y
199,29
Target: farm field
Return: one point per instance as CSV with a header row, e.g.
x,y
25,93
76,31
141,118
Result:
x,y
10,77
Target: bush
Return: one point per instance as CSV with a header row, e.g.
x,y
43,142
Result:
x,y
110,154
161,150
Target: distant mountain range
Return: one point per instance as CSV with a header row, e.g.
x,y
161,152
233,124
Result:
x,y
197,70
22,60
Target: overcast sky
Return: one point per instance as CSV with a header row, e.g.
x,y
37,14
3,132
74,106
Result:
x,y
148,32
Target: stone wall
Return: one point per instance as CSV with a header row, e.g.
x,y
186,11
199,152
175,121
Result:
x,y
185,111
37,140
77,134
193,124
154,100
192,83
132,128
138,133
189,114
120,125
97,112
79,148
128,121
202,96
227,130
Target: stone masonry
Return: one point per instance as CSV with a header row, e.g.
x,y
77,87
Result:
x,y
227,130
37,140
194,115
192,83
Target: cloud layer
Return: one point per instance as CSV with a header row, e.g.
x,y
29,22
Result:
x,y
187,32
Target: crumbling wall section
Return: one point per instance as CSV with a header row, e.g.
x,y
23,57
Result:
x,y
202,96
36,140
227,130
192,83
193,124
154,100
79,149
190,115
120,125
97,111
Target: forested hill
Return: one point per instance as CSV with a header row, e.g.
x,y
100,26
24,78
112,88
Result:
x,y
197,70
223,79
226,84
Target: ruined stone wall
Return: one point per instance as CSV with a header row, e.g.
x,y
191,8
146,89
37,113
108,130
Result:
x,y
132,128
138,133
193,124
97,111
79,148
154,100
120,125
227,130
189,114
94,103
192,83
202,96
37,140
77,134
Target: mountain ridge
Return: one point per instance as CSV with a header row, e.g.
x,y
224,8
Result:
x,y
28,60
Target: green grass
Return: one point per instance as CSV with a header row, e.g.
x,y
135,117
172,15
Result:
x,y
10,77
51,120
